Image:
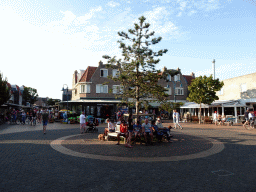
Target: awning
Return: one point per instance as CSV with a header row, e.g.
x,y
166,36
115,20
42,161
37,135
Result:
x,y
91,101
228,103
193,105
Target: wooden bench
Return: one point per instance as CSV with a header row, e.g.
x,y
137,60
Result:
x,y
207,120
114,134
195,119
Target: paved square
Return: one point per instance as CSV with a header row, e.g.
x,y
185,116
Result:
x,y
29,163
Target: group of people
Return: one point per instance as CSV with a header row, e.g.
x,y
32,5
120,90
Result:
x,y
136,131
34,115
218,119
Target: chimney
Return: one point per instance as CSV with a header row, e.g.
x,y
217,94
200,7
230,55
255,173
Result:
x,y
164,69
193,75
75,76
100,63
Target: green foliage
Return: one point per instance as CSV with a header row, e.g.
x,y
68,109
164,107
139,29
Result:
x,y
4,90
138,76
52,101
170,106
203,90
29,95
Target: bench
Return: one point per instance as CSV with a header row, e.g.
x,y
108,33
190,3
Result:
x,y
207,120
114,134
195,119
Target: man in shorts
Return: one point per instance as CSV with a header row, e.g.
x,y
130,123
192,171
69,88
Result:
x,y
147,131
246,116
45,117
82,123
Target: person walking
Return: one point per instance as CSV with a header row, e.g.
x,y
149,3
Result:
x,y
82,122
23,117
130,130
45,117
246,116
177,118
174,118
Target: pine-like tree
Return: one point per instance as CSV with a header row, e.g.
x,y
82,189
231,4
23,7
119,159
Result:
x,y
203,90
4,90
138,75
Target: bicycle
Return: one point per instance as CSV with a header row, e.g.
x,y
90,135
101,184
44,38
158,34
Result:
x,y
33,121
249,125
27,121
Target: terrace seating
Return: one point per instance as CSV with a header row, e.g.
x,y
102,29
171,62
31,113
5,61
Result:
x,y
207,120
195,119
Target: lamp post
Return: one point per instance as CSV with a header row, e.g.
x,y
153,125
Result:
x,y
213,67
66,93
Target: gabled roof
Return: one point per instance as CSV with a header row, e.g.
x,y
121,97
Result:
x,y
86,77
189,78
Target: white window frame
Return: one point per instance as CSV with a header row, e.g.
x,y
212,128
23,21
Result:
x,y
169,92
85,88
115,73
115,89
177,77
82,88
169,77
179,91
105,73
101,88
243,87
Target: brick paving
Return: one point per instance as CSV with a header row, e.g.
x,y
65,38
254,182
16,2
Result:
x,y
29,163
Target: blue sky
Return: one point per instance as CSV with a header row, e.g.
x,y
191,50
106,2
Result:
x,y
44,42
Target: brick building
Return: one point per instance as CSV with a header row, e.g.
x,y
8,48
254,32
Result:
x,y
96,94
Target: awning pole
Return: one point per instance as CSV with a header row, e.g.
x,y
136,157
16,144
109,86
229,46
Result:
x,y
235,113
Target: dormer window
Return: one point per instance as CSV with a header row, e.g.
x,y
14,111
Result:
x,y
103,72
177,77
115,73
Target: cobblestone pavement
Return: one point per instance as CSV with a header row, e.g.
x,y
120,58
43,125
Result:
x,y
29,163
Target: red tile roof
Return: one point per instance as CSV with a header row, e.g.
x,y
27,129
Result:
x,y
88,74
189,78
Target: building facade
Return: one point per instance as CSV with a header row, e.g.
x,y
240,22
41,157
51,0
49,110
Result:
x,y
96,94
241,88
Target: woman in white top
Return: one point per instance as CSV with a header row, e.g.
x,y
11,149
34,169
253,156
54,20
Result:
x,y
111,128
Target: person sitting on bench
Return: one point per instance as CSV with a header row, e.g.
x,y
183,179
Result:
x,y
156,131
137,131
110,128
147,132
123,131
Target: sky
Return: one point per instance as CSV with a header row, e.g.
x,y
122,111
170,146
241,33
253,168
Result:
x,y
42,42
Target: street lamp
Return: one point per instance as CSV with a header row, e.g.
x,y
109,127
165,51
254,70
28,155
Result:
x,y
213,67
66,93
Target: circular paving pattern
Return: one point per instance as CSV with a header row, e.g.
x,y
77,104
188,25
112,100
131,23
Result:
x,y
184,147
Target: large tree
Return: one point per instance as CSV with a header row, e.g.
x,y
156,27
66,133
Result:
x,y
203,90
138,75
29,95
4,90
